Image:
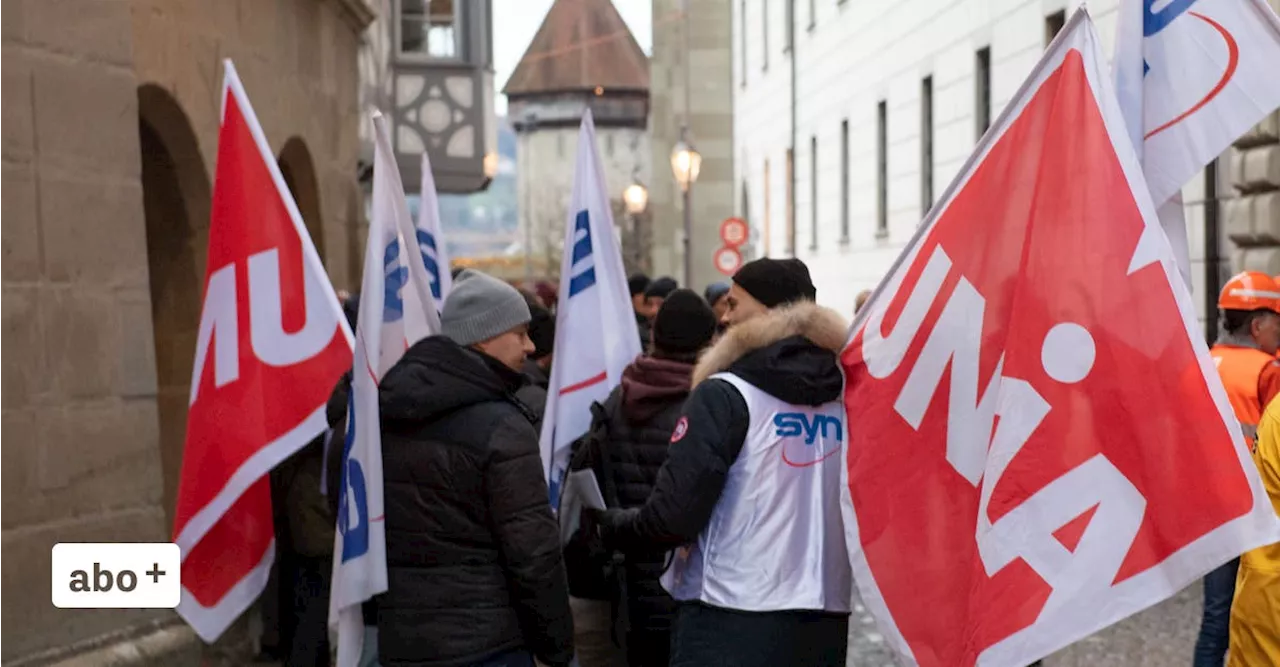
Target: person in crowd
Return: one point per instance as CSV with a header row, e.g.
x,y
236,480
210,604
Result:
x,y
1255,612
638,283
716,295
654,295
474,568
305,538
305,521
860,300
752,493
1246,359
547,295
537,368
628,444
652,300
336,416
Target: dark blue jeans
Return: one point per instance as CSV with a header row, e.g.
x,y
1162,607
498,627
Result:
x,y
1219,589
308,631
706,636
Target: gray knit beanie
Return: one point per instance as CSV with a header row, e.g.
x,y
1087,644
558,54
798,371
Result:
x,y
481,307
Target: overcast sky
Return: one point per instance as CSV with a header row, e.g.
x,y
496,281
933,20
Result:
x,y
516,21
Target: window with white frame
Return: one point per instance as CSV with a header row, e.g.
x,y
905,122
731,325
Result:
x,y
742,40
844,181
882,169
926,145
429,28
764,35
982,90
813,192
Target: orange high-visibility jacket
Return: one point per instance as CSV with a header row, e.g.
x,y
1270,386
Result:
x,y
1252,379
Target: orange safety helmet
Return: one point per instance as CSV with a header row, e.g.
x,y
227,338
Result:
x,y
1250,290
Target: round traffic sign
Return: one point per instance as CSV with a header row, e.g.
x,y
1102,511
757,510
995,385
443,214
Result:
x,y
734,232
728,260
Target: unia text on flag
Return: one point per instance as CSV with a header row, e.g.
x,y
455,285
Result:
x,y
595,327
272,342
1039,443
396,311
1192,76
430,235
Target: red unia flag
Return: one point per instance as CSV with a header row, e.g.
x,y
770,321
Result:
x,y
1039,444
272,344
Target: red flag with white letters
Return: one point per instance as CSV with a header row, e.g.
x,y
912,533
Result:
x,y
272,343
1039,442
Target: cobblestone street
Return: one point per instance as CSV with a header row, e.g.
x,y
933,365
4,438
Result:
x,y
1158,637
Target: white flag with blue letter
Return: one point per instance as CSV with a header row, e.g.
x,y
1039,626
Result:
x,y
1191,77
396,310
595,327
430,236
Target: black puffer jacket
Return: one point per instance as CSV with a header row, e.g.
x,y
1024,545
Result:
x,y
533,393
650,397
473,555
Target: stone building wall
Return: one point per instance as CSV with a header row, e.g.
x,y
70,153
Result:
x,y
711,123
110,123
1253,216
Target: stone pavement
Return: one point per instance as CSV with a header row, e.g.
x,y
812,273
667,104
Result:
x,y
1158,637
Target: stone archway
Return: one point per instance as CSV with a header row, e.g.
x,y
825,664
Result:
x,y
176,199
300,176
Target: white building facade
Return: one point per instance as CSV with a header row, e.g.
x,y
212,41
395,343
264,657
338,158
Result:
x,y
876,104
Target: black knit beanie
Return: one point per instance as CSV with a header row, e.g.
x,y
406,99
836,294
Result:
x,y
684,323
638,283
542,331
542,326
776,282
661,287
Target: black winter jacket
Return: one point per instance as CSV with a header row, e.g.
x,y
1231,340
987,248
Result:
x,y
533,393
789,353
474,565
641,412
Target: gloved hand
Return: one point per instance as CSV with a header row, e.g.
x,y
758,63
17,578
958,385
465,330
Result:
x,y
612,521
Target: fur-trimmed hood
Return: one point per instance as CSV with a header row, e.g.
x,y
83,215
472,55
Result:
x,y
823,328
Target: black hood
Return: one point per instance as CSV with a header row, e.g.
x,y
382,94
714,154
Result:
x,y
437,376
789,353
792,370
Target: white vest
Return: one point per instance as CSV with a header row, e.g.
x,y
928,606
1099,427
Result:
x,y
775,540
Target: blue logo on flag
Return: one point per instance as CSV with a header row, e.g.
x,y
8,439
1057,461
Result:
x,y
395,276
1154,22
355,539
582,250
425,241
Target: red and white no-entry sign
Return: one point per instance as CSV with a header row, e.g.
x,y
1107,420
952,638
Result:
x,y
728,260
734,232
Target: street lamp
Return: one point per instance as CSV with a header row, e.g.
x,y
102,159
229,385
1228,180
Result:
x,y
636,197
685,164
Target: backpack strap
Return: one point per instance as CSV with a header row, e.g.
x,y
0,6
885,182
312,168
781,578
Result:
x,y
601,417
